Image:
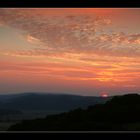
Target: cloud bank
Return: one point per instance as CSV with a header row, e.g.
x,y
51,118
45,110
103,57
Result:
x,y
70,34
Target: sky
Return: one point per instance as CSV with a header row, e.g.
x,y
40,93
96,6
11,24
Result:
x,y
84,51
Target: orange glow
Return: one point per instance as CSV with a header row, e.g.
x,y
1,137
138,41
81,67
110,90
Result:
x,y
100,11
104,95
78,49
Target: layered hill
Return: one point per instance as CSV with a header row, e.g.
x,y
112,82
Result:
x,y
119,113
49,101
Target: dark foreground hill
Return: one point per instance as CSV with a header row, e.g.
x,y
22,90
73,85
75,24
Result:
x,y
119,113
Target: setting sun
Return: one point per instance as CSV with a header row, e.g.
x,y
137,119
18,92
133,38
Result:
x,y
104,94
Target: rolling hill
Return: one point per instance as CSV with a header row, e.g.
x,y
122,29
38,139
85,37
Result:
x,y
49,101
120,113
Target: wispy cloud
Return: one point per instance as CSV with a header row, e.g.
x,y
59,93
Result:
x,y
84,47
70,34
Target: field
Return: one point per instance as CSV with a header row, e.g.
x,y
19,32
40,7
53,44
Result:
x,y
8,120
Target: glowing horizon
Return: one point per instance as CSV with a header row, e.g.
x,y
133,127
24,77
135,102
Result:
x,y
84,51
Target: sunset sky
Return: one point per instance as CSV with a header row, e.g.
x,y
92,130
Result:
x,y
85,51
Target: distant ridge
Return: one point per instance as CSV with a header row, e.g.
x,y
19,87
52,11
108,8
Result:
x,y
47,101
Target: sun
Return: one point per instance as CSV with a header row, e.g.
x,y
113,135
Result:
x,y
104,94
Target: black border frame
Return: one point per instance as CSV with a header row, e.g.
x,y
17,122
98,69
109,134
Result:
x,y
70,4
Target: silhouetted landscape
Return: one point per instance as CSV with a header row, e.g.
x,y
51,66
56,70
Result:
x,y
119,113
71,112
26,106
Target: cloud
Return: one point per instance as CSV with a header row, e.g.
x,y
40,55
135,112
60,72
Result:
x,y
84,40
70,34
58,70
103,72
65,33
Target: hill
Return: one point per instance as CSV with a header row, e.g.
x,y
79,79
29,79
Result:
x,y
120,113
5,112
50,101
